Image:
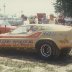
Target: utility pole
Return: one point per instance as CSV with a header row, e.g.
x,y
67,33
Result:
x,y
4,11
4,8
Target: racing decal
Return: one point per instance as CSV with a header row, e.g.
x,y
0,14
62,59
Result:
x,y
35,35
49,33
16,43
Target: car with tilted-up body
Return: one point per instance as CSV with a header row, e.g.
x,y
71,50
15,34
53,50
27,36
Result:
x,y
49,40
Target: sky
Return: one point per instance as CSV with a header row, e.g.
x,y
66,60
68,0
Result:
x,y
27,7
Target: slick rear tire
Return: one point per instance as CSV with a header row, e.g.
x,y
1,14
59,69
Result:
x,y
47,49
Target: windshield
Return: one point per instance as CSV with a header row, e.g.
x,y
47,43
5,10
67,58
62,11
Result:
x,y
19,30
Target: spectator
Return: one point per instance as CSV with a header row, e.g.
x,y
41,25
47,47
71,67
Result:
x,y
51,19
61,19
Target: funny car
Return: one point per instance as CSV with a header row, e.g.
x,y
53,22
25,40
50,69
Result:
x,y
49,40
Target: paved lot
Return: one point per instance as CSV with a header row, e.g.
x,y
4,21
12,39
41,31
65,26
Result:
x,y
17,61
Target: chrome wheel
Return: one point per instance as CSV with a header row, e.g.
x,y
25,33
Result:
x,y
46,50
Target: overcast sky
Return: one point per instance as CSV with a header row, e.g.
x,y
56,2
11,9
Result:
x,y
28,7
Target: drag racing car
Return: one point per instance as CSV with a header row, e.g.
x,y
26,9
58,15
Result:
x,y
49,40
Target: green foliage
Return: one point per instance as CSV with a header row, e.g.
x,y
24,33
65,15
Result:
x,y
65,6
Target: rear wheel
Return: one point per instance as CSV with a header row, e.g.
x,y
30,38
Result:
x,y
47,49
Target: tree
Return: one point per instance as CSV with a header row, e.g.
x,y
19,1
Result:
x,y
64,6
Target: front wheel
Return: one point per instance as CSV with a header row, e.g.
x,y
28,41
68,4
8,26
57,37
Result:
x,y
47,49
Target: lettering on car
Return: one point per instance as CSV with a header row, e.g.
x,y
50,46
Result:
x,y
15,42
49,33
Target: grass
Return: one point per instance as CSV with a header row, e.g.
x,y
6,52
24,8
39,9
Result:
x,y
69,70
17,70
22,64
1,68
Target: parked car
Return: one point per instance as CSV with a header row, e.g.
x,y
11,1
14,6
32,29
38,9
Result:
x,y
5,26
68,21
49,40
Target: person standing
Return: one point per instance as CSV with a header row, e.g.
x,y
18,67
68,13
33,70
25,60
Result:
x,y
51,19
